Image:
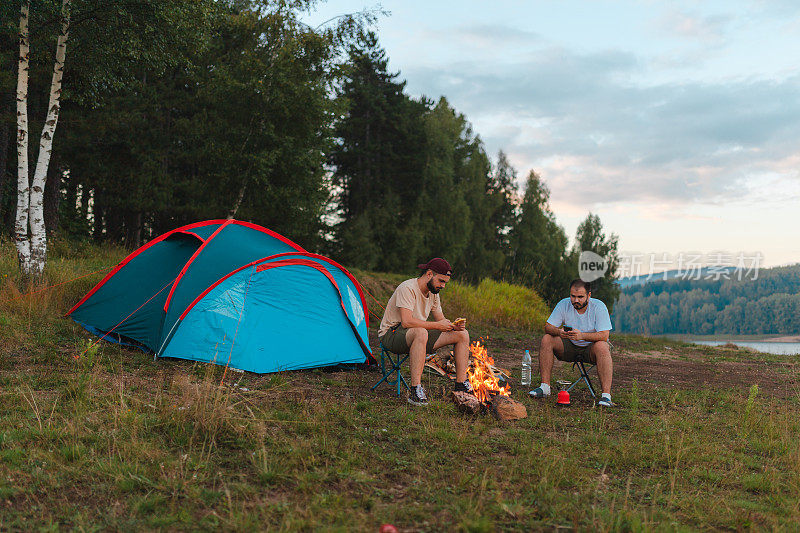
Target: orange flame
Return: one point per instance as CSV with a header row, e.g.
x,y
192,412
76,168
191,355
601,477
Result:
x,y
481,375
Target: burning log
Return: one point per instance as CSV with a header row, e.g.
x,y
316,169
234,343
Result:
x,y
467,403
489,395
481,374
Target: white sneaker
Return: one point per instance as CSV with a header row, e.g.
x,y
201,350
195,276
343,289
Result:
x,y
538,393
605,402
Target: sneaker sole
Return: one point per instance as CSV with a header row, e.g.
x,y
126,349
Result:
x,y
418,404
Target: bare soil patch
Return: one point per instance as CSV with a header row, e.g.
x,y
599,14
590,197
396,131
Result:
x,y
673,367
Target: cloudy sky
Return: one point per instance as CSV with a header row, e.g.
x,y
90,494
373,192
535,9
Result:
x,y
678,123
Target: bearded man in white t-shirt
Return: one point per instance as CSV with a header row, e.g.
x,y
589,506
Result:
x,y
405,327
577,330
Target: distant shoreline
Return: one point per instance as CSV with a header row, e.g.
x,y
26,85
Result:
x,y
788,338
732,338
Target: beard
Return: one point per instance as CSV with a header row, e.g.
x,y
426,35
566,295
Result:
x,y
431,288
579,306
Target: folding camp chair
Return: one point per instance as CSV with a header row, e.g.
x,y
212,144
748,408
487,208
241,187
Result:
x,y
584,376
391,366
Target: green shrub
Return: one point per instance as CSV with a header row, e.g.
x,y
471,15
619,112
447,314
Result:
x,y
496,304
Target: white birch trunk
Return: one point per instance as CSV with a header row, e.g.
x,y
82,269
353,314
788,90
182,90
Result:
x,y
23,181
238,204
38,245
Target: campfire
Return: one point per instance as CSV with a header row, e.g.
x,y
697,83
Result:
x,y
482,374
488,396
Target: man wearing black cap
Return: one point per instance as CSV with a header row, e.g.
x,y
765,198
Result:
x,y
405,327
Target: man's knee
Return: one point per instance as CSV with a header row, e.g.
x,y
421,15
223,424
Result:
x,y
548,341
418,335
452,338
601,348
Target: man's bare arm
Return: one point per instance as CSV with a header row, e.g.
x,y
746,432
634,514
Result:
x,y
457,326
550,329
594,336
408,321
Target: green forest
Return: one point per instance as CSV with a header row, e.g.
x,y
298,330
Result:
x,y
177,111
768,304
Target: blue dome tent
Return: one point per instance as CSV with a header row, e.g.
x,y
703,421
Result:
x,y
231,293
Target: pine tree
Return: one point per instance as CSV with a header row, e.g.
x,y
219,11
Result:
x,y
539,245
378,161
442,202
216,109
484,254
503,187
590,237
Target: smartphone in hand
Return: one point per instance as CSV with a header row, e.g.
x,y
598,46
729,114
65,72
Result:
x,y
567,328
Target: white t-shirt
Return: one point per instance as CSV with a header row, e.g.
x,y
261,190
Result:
x,y
594,318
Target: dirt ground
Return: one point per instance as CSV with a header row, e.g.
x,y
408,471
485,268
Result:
x,y
669,366
684,368
681,368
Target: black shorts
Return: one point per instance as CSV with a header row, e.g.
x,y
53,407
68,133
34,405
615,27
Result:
x,y
395,340
573,352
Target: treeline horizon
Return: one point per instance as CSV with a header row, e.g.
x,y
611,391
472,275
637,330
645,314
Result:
x,y
176,111
769,304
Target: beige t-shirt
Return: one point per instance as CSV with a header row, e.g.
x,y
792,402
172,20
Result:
x,y
408,296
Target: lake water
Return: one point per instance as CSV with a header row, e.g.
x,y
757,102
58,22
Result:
x,y
781,348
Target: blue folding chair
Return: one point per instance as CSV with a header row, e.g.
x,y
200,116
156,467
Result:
x,y
391,366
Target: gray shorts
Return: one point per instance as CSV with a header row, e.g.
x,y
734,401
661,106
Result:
x,y
395,340
573,352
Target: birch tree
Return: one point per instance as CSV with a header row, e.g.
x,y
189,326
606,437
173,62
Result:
x,y
30,233
23,182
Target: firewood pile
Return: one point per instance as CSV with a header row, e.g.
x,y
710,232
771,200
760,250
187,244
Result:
x,y
501,407
490,396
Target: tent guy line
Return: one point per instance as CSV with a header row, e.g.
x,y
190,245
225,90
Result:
x,y
126,318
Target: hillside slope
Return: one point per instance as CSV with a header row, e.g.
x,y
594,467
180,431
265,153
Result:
x,y
97,437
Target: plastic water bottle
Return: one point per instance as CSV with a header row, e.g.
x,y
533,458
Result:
x,y
526,368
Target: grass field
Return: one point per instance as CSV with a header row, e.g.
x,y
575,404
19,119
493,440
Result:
x,y
95,437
